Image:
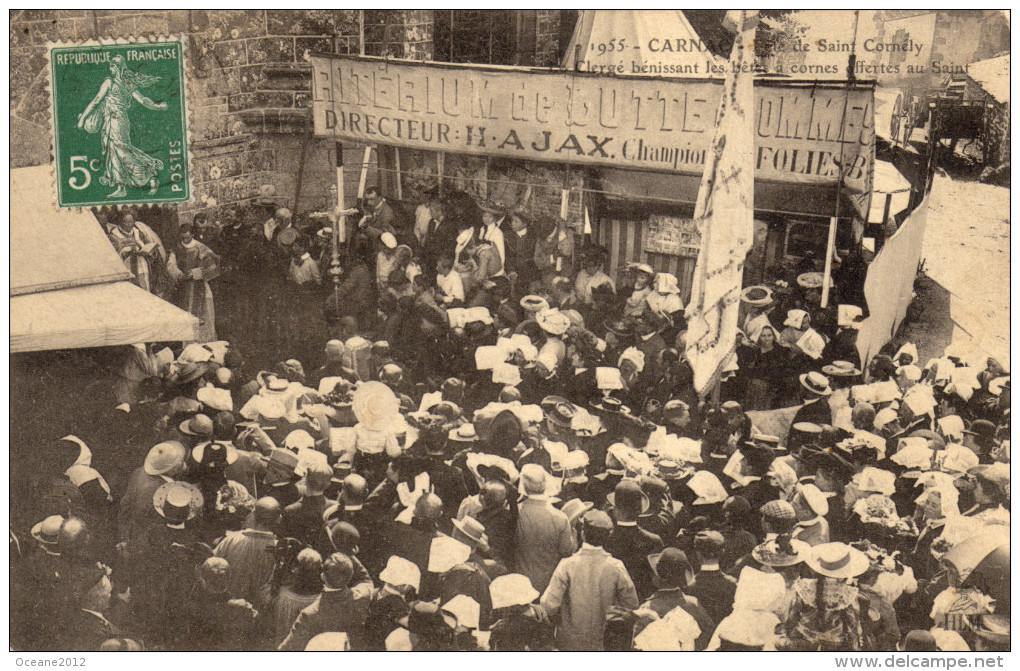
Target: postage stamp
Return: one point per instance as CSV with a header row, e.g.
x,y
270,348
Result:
x,y
120,123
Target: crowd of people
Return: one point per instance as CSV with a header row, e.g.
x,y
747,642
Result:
x,y
498,448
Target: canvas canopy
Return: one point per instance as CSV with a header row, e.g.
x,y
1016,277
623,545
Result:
x,y
115,313
69,287
658,42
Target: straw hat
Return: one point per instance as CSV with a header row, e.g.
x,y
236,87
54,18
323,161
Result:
x,y
841,369
47,532
375,405
177,501
288,237
267,194
574,508
552,321
534,304
199,425
465,433
816,383
559,410
611,405
837,560
473,530
164,457
810,280
206,451
667,469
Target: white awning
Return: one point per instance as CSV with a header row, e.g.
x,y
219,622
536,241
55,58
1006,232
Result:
x,y
55,248
99,315
67,281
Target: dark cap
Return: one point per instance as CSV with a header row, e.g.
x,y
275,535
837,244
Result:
x,y
919,640
427,619
628,496
736,505
981,428
709,540
596,519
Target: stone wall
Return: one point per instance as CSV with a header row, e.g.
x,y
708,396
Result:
x,y
951,38
547,38
399,33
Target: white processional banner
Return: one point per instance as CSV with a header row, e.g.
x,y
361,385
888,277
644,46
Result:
x,y
889,286
725,215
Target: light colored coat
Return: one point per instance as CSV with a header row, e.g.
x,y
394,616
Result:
x,y
543,538
582,590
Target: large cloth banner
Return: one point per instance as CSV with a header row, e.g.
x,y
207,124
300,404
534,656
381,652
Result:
x,y
725,215
800,131
889,286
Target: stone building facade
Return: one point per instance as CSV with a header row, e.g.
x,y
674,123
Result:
x,y
248,87
949,41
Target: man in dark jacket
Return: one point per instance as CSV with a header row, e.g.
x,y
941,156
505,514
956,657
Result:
x,y
519,244
672,571
815,393
713,589
499,520
303,518
413,541
85,627
440,238
630,543
215,622
337,608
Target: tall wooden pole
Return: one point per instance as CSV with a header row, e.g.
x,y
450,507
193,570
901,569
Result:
x,y
826,278
851,76
339,222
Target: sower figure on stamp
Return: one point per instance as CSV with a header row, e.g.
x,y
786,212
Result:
x,y
107,114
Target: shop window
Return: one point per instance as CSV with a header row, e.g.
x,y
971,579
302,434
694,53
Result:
x,y
802,237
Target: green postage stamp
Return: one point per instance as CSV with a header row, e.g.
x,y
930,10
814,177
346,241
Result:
x,y
120,126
